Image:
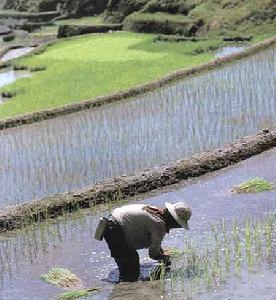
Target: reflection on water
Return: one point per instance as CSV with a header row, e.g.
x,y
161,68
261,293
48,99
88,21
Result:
x,y
16,53
197,114
225,51
10,77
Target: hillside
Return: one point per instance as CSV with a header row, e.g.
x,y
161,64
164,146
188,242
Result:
x,y
184,17
194,17
75,8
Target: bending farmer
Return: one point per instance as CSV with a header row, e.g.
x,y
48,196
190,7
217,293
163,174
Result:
x,y
139,226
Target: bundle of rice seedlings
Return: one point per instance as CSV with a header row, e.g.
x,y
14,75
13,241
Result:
x,y
254,185
76,294
63,278
174,252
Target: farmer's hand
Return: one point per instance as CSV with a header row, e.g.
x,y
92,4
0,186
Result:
x,y
165,258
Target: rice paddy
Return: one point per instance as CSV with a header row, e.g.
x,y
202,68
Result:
x,y
175,122
255,185
222,254
87,64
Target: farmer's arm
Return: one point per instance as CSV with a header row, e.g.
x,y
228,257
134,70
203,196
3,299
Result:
x,y
155,250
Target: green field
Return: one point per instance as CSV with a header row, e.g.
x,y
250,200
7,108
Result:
x,y
89,66
53,29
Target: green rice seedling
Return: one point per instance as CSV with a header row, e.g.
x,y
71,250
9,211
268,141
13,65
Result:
x,y
76,294
63,278
248,244
175,252
226,247
255,185
268,229
237,245
257,240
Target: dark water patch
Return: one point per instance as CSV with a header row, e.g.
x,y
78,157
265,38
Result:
x,y
68,242
195,115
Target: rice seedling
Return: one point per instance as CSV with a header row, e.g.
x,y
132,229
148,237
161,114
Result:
x,y
248,244
174,252
63,278
76,294
255,185
214,264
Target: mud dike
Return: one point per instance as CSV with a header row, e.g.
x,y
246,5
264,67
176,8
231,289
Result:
x,y
126,186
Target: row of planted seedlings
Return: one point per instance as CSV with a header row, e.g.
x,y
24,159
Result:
x,y
224,252
34,238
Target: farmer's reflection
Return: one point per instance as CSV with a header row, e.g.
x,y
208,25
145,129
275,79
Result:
x,y
139,226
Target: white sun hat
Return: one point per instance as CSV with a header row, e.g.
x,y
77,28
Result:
x,y
181,212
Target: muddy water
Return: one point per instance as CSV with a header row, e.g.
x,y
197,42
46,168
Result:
x,y
197,114
16,53
25,255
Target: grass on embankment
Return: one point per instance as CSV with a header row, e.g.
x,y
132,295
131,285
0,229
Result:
x,y
89,66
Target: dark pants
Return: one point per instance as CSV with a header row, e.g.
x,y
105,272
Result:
x,y
125,256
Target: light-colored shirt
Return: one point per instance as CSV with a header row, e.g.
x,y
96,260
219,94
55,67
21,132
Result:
x,y
142,229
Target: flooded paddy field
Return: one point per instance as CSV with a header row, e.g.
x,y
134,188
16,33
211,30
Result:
x,y
68,242
197,114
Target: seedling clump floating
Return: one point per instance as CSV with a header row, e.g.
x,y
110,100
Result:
x,y
63,278
76,294
255,185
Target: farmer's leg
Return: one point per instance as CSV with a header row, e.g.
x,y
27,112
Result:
x,y
124,255
129,267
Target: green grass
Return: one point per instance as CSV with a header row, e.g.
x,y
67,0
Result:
x,y
254,185
89,66
53,29
94,20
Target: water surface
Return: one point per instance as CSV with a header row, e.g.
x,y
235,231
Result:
x,y
197,114
229,50
68,242
16,53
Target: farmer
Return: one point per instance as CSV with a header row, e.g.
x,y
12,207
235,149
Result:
x,y
138,226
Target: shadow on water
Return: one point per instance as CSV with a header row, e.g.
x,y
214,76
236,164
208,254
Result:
x,y
191,116
68,241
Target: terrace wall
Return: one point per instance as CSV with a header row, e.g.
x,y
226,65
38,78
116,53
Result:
x,y
65,31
